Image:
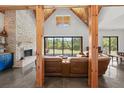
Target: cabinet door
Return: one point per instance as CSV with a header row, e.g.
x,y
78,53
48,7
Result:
x,y
9,60
2,62
1,58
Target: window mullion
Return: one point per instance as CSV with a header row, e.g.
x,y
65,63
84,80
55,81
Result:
x,y
53,46
72,46
62,46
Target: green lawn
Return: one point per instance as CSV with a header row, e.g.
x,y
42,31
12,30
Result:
x,y
113,52
66,51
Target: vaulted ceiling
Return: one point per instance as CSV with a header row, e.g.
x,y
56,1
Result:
x,y
111,18
80,12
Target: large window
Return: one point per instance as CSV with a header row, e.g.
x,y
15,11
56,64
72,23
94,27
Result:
x,y
110,44
67,45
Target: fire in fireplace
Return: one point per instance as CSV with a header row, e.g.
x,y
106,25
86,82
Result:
x,y
28,52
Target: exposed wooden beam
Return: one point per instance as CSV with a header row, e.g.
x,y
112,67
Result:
x,y
49,14
112,5
18,7
80,17
64,6
2,11
39,37
86,15
93,46
46,15
99,8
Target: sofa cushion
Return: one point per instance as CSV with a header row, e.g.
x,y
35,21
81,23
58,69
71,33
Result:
x,y
78,59
53,64
79,65
52,59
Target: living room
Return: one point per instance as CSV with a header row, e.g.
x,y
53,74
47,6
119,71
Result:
x,y
65,40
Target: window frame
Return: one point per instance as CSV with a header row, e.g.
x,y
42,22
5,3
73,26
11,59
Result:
x,y
72,54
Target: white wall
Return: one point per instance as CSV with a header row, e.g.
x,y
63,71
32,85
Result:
x,y
111,18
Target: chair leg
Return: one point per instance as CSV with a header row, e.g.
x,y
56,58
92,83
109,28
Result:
x,y
121,60
112,59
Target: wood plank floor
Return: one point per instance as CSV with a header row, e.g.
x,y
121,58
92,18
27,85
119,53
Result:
x,y
25,78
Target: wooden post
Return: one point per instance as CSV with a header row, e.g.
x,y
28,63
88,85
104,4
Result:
x,y
39,37
93,46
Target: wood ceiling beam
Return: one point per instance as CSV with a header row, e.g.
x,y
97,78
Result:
x,y
39,38
50,14
112,5
86,14
1,11
81,18
99,8
64,6
18,7
93,47
47,16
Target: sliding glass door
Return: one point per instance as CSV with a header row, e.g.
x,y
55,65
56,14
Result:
x,y
110,44
106,44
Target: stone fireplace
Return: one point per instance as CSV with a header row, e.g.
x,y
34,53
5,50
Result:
x,y
25,54
21,36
